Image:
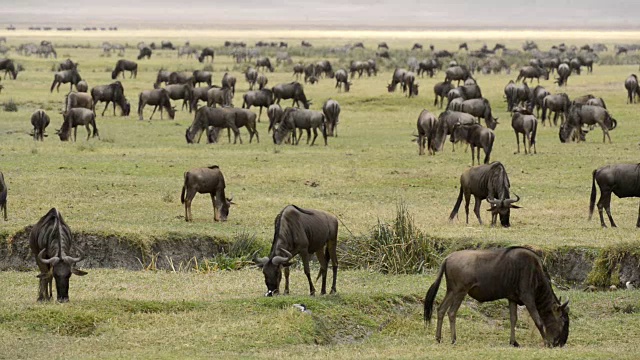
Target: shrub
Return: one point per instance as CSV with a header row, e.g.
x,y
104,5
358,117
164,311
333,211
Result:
x,y
10,106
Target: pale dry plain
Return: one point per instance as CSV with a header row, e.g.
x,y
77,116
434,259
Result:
x,y
128,185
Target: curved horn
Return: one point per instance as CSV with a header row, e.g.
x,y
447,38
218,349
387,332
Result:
x,y
614,123
53,261
564,306
286,253
279,260
260,261
511,201
71,260
493,201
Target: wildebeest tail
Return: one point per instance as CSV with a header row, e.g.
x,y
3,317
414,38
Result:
x,y
431,294
533,132
184,187
53,84
592,200
456,207
544,110
139,103
324,128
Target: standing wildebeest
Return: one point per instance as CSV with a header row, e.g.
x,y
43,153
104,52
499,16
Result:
x,y
199,93
441,90
537,97
243,117
481,109
409,83
398,77
275,113
427,123
323,67
125,65
3,196
292,90
183,77
457,73
188,51
113,93
564,71
74,118
200,76
156,97
9,67
509,94
620,179
78,100
207,180
40,120
163,77
65,76
477,136
342,78
631,84
207,117
304,232
523,122
446,123
82,86
558,104
590,115
429,66
293,119
470,91
531,72
331,111
51,241
68,64
222,96
490,182
181,92
261,98
262,81
251,75
264,63
166,45
206,52
145,52
298,70
514,273
229,81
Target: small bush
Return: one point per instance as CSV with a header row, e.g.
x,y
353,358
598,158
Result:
x,y
10,106
236,255
208,67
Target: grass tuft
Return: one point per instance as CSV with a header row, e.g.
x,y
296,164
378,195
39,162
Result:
x,y
10,106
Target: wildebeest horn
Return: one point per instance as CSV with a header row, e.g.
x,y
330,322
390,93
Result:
x,y
279,260
511,201
564,306
260,261
53,261
71,260
493,201
286,253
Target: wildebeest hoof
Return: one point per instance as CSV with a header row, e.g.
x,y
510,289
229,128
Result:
x,y
333,291
515,344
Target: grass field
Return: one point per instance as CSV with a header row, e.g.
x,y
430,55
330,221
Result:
x,y
128,184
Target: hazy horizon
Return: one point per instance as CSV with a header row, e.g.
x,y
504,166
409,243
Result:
x,y
328,14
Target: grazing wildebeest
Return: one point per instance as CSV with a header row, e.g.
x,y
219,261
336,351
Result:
x,y
564,71
199,93
207,117
251,75
264,63
113,93
292,90
3,196
310,73
558,104
207,180
298,71
331,111
262,81
145,52
416,46
531,72
490,182
427,123
323,67
631,84
304,232
575,65
537,97
514,273
304,43
200,76
74,118
446,124
188,51
78,100
300,119
181,92
261,98
398,77
166,45
441,90
477,136
65,76
481,109
523,122
243,118
222,96
9,67
68,64
82,86
342,78
51,242
206,53
156,97
597,102
455,104
591,115
229,81
163,77
356,67
275,113
457,73
39,120
183,77
620,179
125,65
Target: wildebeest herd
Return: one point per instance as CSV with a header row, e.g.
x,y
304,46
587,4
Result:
x,y
513,273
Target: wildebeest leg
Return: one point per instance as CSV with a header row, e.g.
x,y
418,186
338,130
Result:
x,y
88,131
315,135
476,209
106,106
467,200
453,309
442,309
530,304
323,270
286,280
555,119
421,145
605,132
305,261
260,113
518,141
154,111
216,215
607,208
473,155
114,108
191,193
637,222
513,317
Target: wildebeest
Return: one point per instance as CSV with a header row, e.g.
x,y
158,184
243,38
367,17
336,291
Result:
x,y
68,64
251,75
558,104
3,196
125,65
457,73
156,97
426,132
298,70
182,77
206,53
77,117
531,72
51,242
113,93
181,92
304,43
590,115
300,119
490,182
207,180
145,52
323,67
331,111
65,76
476,136
523,122
416,46
631,84
188,51
242,118
163,77
229,81
275,113
428,66
304,232
39,120
261,98
409,84
597,101
9,67
481,109
78,100
264,63
207,117
222,96
397,78
564,71
166,45
446,123
620,179
292,90
262,81
200,76
82,86
342,78
514,273
441,90
537,97
197,94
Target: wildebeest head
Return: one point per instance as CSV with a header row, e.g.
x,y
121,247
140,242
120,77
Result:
x,y
503,208
560,338
114,74
60,269
347,86
272,270
223,206
126,109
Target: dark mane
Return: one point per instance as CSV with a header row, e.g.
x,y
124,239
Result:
x,y
214,167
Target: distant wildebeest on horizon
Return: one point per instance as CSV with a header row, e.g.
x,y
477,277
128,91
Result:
x,y
206,53
304,232
331,111
66,76
51,243
78,117
3,196
125,65
158,98
113,93
620,179
514,273
426,132
39,120
207,180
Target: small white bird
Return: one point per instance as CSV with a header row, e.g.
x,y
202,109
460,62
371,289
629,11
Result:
x,y
630,286
302,308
